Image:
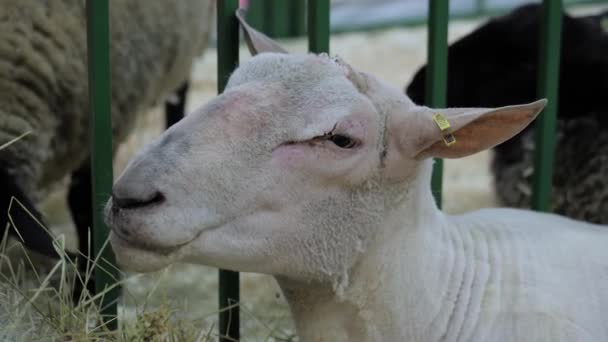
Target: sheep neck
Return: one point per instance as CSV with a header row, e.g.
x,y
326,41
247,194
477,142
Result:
x,y
397,291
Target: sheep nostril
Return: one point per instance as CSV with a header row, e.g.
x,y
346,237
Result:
x,y
134,203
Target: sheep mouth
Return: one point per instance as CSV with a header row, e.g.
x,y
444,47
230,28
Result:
x,y
156,249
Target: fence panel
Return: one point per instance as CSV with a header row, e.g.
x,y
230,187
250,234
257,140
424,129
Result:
x,y
366,15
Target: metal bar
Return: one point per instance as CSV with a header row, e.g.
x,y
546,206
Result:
x,y
436,75
227,61
418,21
279,18
318,26
548,79
100,97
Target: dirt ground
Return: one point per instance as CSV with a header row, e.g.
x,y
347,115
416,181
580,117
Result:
x,y
394,55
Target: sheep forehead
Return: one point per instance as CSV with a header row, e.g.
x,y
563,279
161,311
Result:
x,y
289,69
310,77
305,84
294,90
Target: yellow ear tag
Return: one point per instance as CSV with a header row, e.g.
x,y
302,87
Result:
x,y
444,126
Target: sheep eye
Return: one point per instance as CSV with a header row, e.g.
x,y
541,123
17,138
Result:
x,y
342,141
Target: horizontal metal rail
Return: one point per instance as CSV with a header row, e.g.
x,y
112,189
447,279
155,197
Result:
x,y
475,13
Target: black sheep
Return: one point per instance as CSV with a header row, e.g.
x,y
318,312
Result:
x,y
497,64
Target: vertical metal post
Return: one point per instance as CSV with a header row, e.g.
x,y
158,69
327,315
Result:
x,y
100,96
548,80
227,61
318,26
436,74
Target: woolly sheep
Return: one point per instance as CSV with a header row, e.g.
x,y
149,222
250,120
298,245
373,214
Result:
x,y
318,174
43,90
497,65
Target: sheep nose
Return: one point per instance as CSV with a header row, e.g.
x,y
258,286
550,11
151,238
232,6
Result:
x,y
134,203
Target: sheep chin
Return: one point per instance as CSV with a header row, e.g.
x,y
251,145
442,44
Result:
x,y
135,259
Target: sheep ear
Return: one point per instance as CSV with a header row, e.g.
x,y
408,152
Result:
x,y
257,42
452,133
471,129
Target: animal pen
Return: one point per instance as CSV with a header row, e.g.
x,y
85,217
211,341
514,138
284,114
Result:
x,y
287,18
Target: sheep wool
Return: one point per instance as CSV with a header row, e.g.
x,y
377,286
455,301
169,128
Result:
x,y
43,75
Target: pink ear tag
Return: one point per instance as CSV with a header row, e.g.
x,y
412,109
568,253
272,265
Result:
x,y
445,127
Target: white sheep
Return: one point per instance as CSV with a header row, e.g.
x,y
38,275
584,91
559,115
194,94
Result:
x,y
43,91
318,174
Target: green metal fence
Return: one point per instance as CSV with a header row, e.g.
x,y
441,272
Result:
x,y
265,16
98,46
318,33
548,77
436,93
547,88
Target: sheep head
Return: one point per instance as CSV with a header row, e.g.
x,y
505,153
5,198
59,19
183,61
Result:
x,y
291,171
